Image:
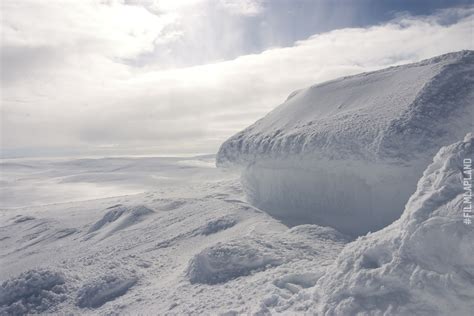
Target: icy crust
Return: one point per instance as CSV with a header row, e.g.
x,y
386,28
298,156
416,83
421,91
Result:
x,y
422,264
397,114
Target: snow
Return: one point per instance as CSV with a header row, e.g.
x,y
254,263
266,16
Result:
x,y
223,262
118,218
103,289
33,291
421,264
348,153
192,245
188,247
218,225
25,182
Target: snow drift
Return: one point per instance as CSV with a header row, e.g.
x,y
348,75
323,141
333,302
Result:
x,y
348,153
32,292
422,264
224,262
103,289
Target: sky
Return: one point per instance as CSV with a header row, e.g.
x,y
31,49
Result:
x,y
170,77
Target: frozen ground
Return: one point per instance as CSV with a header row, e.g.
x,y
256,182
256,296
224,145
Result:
x,y
190,244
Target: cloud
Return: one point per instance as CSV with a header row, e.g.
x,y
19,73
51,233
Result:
x,y
114,29
244,7
66,85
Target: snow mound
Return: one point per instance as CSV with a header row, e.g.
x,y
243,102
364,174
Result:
x,y
227,261
348,153
295,281
34,291
422,264
118,218
103,289
217,225
316,232
21,219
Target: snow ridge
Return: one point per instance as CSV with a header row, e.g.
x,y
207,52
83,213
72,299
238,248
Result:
x,y
365,116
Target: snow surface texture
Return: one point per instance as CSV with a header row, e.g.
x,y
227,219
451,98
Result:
x,y
192,246
348,153
104,289
422,264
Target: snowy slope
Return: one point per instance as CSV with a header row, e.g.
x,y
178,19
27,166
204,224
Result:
x,y
348,153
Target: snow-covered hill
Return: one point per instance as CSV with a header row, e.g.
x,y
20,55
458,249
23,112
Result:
x,y
348,153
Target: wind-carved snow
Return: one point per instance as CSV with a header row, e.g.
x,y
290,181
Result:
x,y
348,153
224,262
117,218
422,264
101,290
